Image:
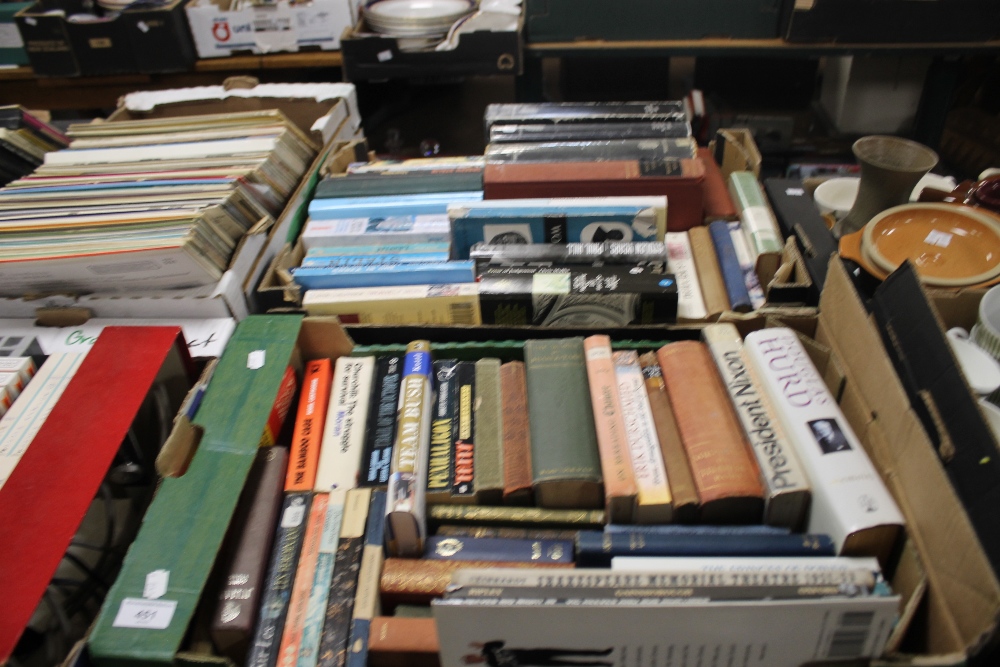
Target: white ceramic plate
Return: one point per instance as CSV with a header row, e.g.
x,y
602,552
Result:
x,y
419,9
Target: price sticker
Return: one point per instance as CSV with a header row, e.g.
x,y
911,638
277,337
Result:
x,y
145,614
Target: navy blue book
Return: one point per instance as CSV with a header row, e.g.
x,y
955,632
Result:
x,y
729,265
498,549
596,548
688,529
366,604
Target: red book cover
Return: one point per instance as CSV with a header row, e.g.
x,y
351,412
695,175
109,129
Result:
x,y
718,203
48,493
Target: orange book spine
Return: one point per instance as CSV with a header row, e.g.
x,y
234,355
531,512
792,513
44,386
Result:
x,y
620,488
298,603
303,459
725,473
516,435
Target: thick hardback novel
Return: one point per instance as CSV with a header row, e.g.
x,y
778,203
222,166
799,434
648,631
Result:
x,y
572,113
620,488
849,500
516,435
499,549
307,438
280,579
654,502
788,488
488,433
381,425
718,204
405,524
577,296
463,488
366,600
699,529
368,185
340,601
521,517
706,262
725,472
504,533
399,641
346,417
596,548
534,131
441,460
592,149
565,464
385,275
729,266
242,573
680,260
305,573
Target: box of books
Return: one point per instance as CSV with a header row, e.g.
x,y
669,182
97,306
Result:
x,y
11,45
228,27
74,38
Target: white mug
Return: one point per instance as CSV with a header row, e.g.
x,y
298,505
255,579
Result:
x,y
981,370
986,332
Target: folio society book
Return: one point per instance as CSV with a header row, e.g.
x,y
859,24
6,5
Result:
x,y
571,113
592,149
535,131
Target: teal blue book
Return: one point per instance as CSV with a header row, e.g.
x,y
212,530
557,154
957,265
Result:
x,y
386,275
318,262
370,207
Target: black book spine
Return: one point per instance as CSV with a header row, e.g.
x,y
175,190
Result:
x,y
381,427
441,463
464,473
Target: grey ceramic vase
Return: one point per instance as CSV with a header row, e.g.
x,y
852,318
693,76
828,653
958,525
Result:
x,y
890,169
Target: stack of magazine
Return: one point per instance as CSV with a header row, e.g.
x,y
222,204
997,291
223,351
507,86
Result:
x,y
24,141
148,204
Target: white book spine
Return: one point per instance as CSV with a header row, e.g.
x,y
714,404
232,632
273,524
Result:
x,y
743,564
788,488
849,497
344,433
362,231
680,262
746,261
655,500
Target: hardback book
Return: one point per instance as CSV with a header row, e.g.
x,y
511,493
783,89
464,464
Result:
x,y
654,502
534,131
620,488
307,438
681,182
565,463
575,296
729,266
724,470
441,460
339,607
419,165
387,249
447,304
698,529
463,487
338,505
517,517
499,549
385,275
785,481
592,149
597,548
679,477
280,408
680,260
706,262
630,253
346,418
488,433
505,533
750,277
242,571
366,599
572,113
315,261
365,231
400,641
380,431
405,522
759,224
387,206
516,435
305,573
759,569
849,500
369,185
273,612
718,204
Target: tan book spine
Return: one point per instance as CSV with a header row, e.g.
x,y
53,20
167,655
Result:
x,y
516,435
686,507
399,641
620,490
488,433
725,472
713,288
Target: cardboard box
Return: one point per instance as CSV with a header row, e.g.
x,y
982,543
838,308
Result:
x,y
11,45
146,40
267,28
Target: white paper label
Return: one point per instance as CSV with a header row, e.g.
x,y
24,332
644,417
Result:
x,y
10,38
598,353
293,516
384,56
795,192
938,238
156,584
255,360
145,614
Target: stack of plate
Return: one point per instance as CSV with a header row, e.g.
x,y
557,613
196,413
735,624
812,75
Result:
x,y
416,18
114,5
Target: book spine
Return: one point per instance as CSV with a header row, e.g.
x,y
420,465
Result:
x,y
499,550
679,477
849,499
384,275
279,411
343,585
403,642
308,436
381,249
505,533
298,603
607,252
381,426
725,472
406,304
620,488
344,435
463,489
312,627
535,517
441,461
406,526
681,529
754,289
319,262
713,288
729,265
655,503
788,490
366,600
680,261
243,573
281,573
663,593
759,224
488,433
818,568
596,549
358,231
516,435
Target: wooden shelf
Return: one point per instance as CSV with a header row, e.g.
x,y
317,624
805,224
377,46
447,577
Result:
x,y
768,47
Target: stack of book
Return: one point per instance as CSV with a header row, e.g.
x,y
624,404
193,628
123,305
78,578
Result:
x,y
154,203
15,374
24,141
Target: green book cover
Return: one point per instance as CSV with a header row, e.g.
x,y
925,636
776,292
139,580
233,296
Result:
x,y
488,436
148,611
